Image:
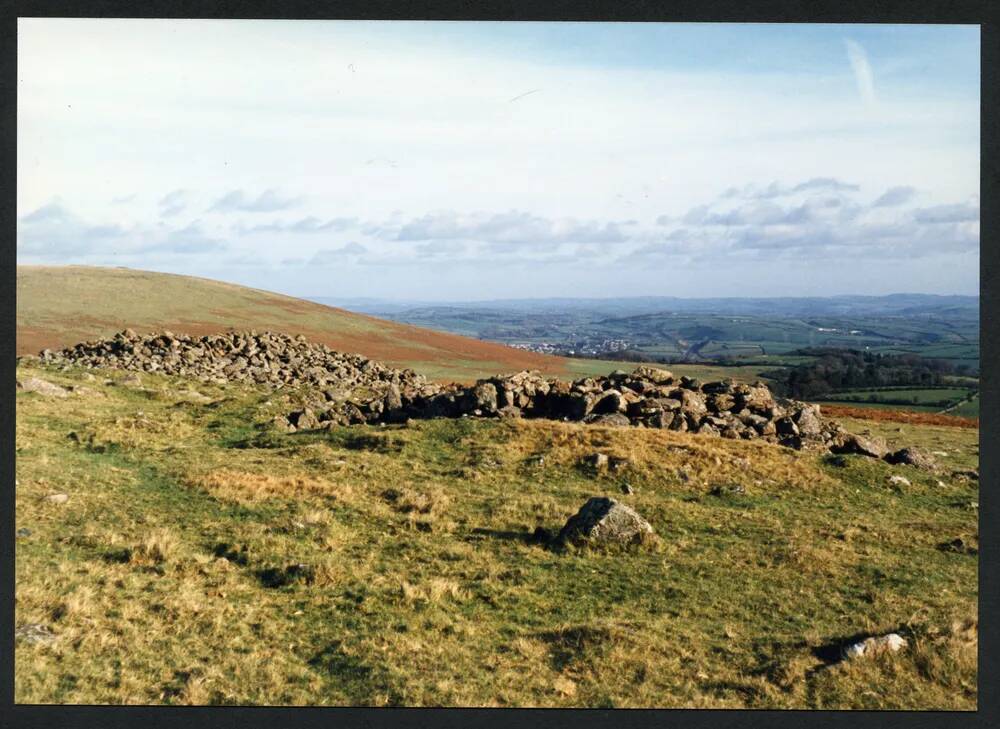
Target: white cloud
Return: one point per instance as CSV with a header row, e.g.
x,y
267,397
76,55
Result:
x,y
862,69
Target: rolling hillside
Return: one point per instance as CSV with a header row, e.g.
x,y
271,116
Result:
x,y
58,306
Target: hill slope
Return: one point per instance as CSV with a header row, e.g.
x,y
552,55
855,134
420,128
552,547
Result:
x,y
58,306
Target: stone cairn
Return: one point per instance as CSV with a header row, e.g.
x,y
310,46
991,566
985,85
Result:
x,y
344,389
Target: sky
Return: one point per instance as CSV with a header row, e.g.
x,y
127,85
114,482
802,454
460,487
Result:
x,y
480,160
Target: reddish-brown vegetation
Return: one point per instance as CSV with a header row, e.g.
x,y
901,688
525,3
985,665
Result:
x,y
899,416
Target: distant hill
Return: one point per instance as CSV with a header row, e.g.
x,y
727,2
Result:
x,y
60,305
800,306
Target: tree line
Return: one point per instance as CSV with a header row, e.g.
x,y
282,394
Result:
x,y
843,369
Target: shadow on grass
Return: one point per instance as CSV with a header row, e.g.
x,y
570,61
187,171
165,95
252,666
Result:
x,y
540,537
832,653
577,644
358,681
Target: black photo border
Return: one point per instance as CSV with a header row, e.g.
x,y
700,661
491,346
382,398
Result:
x,y
978,12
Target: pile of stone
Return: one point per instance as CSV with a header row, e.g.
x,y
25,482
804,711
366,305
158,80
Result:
x,y
647,397
344,389
268,358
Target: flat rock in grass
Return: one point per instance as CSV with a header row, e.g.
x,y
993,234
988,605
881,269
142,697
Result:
x,y
194,396
872,447
605,520
912,457
34,633
42,387
57,498
132,380
897,480
875,646
615,420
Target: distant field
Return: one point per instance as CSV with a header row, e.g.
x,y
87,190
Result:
x,y
593,367
881,406
893,395
967,409
948,333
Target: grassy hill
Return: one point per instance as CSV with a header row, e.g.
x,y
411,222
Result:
x,y
58,306
203,558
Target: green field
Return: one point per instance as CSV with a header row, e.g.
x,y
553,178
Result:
x,y
882,406
202,558
706,373
967,409
942,397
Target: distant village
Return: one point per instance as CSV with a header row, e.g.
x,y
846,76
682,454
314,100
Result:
x,y
581,347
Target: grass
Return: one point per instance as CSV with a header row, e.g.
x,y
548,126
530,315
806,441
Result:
x,y
203,559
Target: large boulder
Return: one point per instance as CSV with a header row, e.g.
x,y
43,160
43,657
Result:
x,y
605,520
755,397
484,396
692,403
808,422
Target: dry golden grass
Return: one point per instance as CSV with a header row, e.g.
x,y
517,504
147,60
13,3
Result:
x,y
249,488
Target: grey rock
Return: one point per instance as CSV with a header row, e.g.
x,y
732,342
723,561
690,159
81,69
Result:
x,y
912,457
875,646
808,421
872,447
603,519
42,387
484,397
34,633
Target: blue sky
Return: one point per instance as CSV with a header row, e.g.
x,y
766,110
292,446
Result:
x,y
499,160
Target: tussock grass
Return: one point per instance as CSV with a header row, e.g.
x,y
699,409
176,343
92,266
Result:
x,y
195,562
249,488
